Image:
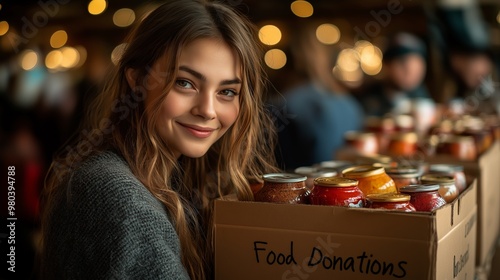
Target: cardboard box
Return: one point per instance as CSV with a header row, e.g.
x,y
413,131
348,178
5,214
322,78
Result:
x,y
256,240
487,171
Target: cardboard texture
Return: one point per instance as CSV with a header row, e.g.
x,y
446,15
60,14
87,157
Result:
x,y
256,240
487,170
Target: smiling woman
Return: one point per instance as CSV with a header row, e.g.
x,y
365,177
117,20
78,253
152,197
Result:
x,y
180,123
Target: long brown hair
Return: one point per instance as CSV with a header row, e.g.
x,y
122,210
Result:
x,y
186,186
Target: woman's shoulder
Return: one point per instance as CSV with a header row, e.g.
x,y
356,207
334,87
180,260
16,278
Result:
x,y
105,180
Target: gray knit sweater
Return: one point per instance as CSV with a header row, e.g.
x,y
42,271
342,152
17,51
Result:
x,y
109,226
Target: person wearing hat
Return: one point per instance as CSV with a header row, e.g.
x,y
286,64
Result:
x,y
404,69
463,39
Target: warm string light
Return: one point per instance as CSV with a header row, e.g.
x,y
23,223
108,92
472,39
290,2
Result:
x,y
97,7
302,8
270,35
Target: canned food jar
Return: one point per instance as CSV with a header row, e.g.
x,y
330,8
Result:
x,y
457,171
337,191
383,128
460,147
424,197
312,173
390,201
283,188
447,188
362,142
403,176
403,144
372,179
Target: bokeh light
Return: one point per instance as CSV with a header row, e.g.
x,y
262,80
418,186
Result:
x,y
275,59
270,35
328,34
97,7
28,60
58,39
54,59
302,8
371,60
124,17
71,57
4,27
82,54
348,60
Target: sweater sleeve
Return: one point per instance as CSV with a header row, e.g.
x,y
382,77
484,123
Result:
x,y
109,226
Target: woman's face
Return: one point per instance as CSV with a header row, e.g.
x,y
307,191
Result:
x,y
204,100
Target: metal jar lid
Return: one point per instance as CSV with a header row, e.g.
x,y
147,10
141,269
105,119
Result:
x,y
419,188
362,171
446,168
335,182
388,197
437,179
283,178
398,172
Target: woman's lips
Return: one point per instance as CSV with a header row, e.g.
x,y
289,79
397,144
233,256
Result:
x,y
198,131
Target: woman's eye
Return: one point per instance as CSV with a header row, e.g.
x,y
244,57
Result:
x,y
184,84
228,92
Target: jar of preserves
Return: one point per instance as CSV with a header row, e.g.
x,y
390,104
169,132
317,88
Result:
x,y
403,176
383,128
362,142
390,201
312,173
403,144
372,179
456,171
283,188
447,188
424,197
482,138
337,191
460,147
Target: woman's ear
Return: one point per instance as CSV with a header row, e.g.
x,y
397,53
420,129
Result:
x,y
131,75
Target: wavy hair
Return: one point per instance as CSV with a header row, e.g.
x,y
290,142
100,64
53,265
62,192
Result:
x,y
186,186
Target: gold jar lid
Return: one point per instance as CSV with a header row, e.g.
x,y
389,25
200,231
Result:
x,y
437,179
388,197
335,182
362,171
283,178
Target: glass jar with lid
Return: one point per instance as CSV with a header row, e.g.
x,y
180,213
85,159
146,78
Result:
x,y
447,188
337,191
372,179
390,201
424,197
283,188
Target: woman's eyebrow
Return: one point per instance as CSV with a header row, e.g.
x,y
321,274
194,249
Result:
x,y
202,77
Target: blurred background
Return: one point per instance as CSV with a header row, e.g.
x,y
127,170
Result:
x,y
55,55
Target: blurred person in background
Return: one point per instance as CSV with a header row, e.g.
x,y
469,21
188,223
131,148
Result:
x,y
403,73
468,78
318,109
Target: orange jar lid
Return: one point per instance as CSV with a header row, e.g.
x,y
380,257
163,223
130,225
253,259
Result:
x,y
388,197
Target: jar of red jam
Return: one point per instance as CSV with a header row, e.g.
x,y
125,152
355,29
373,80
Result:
x,y
403,144
424,197
372,179
447,188
337,191
456,171
362,142
390,201
460,147
403,176
312,173
283,188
